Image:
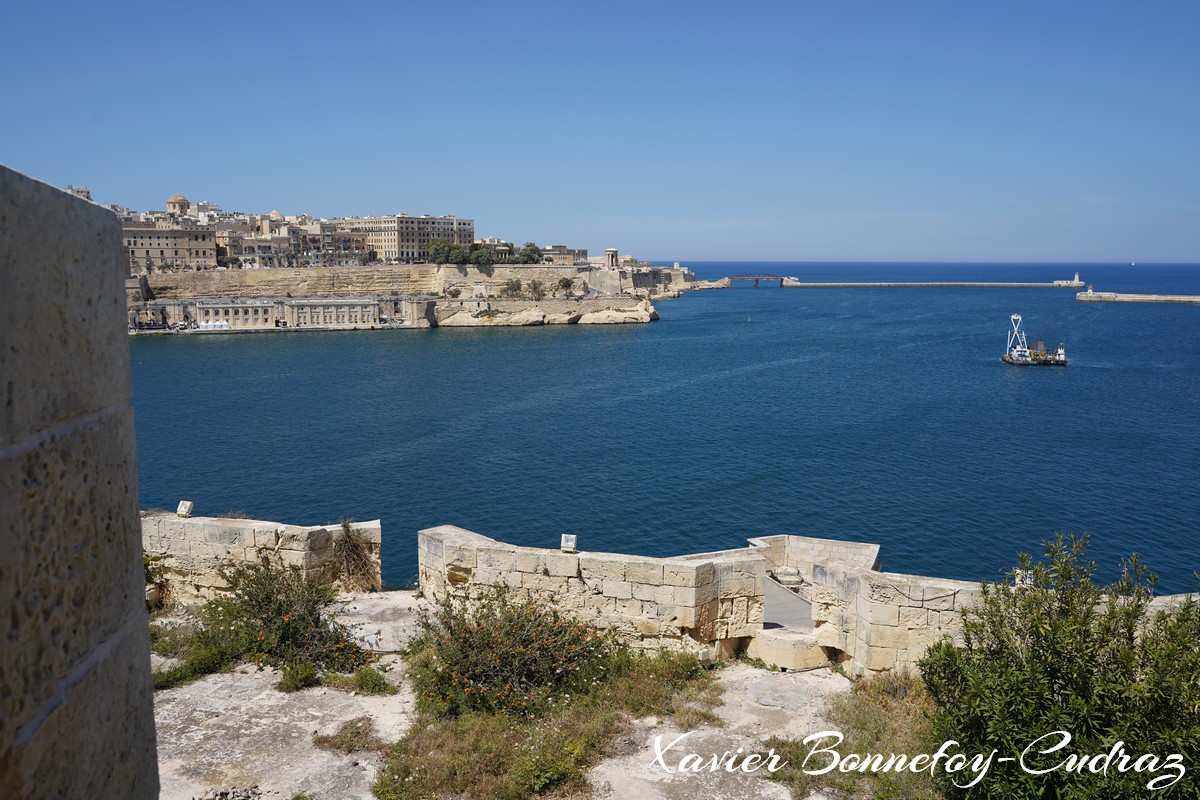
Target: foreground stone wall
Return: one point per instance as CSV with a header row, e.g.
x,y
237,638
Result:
x,y
192,551
709,604
76,712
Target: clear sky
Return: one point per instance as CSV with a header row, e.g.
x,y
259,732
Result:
x,y
803,130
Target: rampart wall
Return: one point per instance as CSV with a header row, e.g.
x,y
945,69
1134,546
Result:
x,y
708,604
713,603
76,707
191,551
401,279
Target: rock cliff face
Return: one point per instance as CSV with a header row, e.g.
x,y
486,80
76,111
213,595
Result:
x,y
641,312
596,311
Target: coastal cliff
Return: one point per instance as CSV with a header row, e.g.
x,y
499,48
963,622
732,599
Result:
x,y
518,313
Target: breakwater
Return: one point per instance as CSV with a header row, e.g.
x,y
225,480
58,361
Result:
x,y
930,285
1113,297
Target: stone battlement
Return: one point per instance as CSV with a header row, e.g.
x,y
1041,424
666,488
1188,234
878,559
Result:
x,y
193,550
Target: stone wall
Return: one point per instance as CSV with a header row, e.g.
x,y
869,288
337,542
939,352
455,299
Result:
x,y
192,551
403,279
709,604
76,709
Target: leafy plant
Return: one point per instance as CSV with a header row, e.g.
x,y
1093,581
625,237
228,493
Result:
x,y
1050,650
297,675
502,655
271,615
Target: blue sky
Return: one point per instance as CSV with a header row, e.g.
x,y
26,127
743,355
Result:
x,y
1026,131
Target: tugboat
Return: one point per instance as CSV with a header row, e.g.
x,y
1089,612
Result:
x,y
1037,356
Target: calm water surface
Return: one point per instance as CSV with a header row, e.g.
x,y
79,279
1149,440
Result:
x,y
881,415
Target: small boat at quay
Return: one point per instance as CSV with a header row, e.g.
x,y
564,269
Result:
x,y
1021,355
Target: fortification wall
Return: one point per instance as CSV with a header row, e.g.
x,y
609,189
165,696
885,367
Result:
x,y
403,279
76,708
381,279
191,551
708,605
712,604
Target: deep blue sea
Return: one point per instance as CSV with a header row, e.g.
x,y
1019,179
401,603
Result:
x,y
877,415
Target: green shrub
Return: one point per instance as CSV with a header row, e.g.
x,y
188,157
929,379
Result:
x,y
368,680
271,615
296,676
499,654
1049,650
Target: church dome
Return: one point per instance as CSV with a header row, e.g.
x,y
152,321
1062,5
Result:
x,y
178,198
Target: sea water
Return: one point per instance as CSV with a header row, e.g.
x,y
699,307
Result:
x,y
877,415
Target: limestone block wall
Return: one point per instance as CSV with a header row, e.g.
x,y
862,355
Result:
x,y
380,279
192,551
798,554
76,710
709,604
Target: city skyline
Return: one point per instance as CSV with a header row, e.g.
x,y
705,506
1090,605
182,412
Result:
x,y
798,132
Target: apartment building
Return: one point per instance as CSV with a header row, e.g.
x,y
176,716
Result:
x,y
403,238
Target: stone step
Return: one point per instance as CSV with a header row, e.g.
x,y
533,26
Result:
x,y
788,649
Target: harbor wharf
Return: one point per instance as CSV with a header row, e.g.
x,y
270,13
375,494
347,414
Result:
x,y
1113,297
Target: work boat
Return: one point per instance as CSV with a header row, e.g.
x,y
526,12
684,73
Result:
x,y
1020,354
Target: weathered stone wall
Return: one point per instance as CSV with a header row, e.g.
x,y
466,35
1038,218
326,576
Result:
x,y
402,279
382,279
192,551
709,605
76,711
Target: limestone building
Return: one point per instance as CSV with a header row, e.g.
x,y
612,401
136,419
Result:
x,y
406,239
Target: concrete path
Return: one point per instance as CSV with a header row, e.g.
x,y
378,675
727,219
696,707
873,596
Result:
x,y
786,608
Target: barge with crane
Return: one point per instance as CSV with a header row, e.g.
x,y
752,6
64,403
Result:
x,y
1021,355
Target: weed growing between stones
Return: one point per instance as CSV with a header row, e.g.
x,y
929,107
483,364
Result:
x,y
515,699
271,616
352,558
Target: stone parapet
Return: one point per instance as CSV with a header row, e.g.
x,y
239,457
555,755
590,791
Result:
x,y
192,551
707,605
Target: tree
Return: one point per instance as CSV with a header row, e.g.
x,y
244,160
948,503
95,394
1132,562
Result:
x,y
530,254
439,251
565,284
537,290
511,288
1048,650
483,256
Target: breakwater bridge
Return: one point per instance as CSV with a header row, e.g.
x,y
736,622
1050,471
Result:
x,y
792,283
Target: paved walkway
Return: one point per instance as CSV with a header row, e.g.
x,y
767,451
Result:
x,y
784,607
